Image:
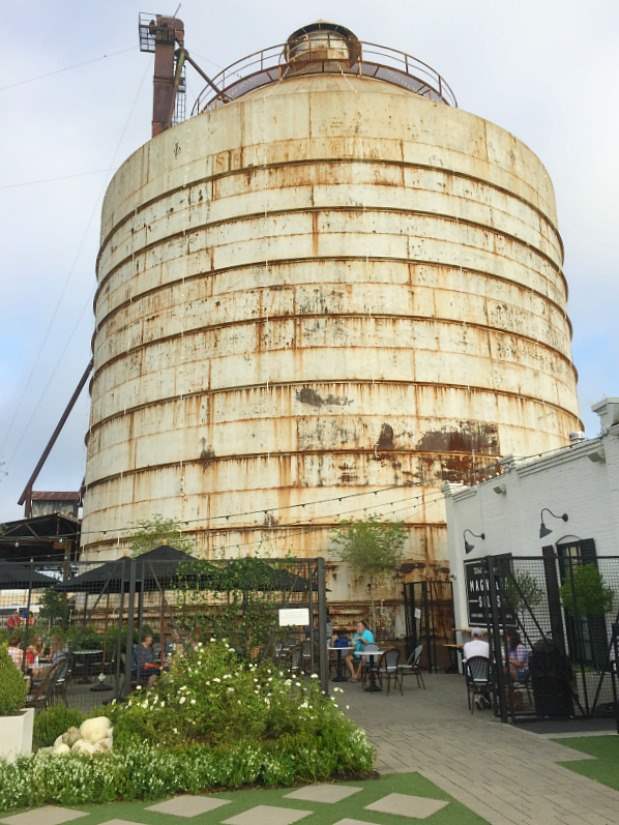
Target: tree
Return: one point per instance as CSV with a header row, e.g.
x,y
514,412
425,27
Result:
x,y
585,593
157,531
373,548
522,592
55,608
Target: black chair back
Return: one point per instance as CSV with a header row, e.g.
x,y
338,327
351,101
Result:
x,y
477,669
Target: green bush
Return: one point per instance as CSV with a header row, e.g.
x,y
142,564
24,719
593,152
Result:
x,y
147,772
12,685
585,593
213,697
51,722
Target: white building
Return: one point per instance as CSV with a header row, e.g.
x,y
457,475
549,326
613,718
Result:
x,y
566,500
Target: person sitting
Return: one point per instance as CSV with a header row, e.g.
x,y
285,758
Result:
x,y
146,666
517,657
15,652
361,638
477,646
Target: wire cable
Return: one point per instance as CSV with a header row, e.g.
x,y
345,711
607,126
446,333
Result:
x,y
65,69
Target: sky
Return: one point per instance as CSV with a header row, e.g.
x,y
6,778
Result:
x,y
546,71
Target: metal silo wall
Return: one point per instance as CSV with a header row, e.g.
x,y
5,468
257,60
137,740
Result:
x,y
329,286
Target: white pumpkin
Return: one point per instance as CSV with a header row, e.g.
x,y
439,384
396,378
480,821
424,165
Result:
x,y
60,740
83,748
94,730
104,745
71,736
61,749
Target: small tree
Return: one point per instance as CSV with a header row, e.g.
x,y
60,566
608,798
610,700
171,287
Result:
x,y
157,531
55,608
585,593
522,592
373,548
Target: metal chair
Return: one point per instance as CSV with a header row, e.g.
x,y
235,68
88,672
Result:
x,y
412,668
367,666
388,668
62,679
477,673
42,694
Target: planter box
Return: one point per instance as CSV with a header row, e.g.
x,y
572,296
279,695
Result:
x,y
16,735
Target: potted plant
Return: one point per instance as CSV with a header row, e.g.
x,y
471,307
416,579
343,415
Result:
x,y
16,722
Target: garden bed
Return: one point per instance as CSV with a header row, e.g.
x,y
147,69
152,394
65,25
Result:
x,y
213,722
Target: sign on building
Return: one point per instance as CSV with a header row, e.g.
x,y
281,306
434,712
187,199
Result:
x,y
479,595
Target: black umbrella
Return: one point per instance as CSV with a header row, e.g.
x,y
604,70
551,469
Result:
x,y
21,577
155,569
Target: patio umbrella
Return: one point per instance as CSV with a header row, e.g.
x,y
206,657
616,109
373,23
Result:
x,y
21,577
110,577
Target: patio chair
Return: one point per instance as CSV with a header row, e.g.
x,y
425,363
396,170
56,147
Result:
x,y
367,665
388,668
477,673
412,668
42,694
62,679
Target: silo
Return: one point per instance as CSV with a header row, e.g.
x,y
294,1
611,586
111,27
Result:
x,y
323,295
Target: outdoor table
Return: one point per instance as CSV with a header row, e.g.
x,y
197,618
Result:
x,y
455,662
373,686
87,655
340,676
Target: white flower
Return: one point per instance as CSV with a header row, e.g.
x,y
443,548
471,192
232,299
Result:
x,y
313,676
347,707
193,701
217,679
182,700
230,690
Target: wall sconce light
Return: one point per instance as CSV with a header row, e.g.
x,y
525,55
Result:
x,y
468,547
500,490
598,456
543,530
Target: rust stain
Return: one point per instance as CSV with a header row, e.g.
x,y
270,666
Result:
x,y
306,395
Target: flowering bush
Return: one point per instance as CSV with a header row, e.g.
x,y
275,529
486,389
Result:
x,y
212,697
211,722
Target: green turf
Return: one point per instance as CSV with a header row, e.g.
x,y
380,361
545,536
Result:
x,y
324,814
605,767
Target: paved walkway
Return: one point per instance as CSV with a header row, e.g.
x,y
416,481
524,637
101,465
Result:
x,y
504,774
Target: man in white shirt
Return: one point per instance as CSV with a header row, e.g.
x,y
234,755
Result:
x,y
477,647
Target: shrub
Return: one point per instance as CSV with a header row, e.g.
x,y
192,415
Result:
x,y
147,772
51,722
585,593
212,697
12,685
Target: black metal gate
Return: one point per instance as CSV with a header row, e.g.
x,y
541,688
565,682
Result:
x,y
551,623
429,614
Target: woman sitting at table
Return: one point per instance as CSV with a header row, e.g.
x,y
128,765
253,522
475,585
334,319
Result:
x,y
361,638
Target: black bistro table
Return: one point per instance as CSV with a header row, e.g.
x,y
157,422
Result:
x,y
340,676
373,686
86,656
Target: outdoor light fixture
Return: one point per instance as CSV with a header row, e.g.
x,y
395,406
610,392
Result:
x,y
468,547
500,490
546,531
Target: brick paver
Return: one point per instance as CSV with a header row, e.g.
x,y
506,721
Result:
x,y
506,775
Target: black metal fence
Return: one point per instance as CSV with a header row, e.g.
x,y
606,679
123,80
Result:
x,y
552,626
97,614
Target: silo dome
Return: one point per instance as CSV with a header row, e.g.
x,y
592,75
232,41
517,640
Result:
x,y
321,297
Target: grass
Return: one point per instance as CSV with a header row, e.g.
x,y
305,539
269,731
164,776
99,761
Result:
x,y
323,814
605,767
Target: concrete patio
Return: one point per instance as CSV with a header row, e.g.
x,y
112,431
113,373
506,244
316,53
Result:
x,y
505,774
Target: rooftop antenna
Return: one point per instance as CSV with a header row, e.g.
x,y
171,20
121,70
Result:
x,y
164,37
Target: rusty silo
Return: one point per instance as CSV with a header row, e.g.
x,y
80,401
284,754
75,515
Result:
x,y
330,280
